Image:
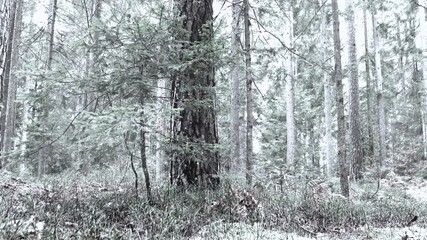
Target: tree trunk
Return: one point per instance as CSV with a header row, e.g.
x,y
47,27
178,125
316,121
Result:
x,y
355,127
329,148
380,99
8,87
161,129
249,98
423,33
143,149
25,119
290,76
46,148
235,87
328,126
11,110
195,127
368,88
340,103
52,34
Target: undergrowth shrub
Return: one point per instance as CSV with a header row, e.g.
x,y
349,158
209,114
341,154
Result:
x,y
85,209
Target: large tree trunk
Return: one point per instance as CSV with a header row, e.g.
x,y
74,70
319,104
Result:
x,y
355,127
235,87
380,98
8,84
290,76
368,88
340,103
194,129
249,98
11,110
423,34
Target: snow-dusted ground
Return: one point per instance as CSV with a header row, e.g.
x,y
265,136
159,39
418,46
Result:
x,y
242,231
414,187
418,190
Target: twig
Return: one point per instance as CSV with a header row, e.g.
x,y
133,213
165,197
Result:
x,y
41,146
378,188
44,144
132,164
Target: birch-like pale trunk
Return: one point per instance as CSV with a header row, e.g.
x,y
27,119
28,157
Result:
x,y
355,126
340,103
235,88
401,55
249,98
379,92
25,119
161,128
368,87
289,93
329,148
328,126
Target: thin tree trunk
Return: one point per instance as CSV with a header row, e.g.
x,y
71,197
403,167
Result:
x,y
143,149
340,103
380,99
25,119
290,76
161,86
249,98
368,88
45,151
355,126
401,75
235,87
52,34
329,148
328,126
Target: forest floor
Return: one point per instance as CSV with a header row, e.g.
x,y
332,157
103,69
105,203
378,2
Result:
x,y
102,205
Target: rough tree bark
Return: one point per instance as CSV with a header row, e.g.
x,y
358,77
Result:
x,y
423,33
249,98
11,110
340,102
380,99
195,128
8,85
235,87
355,126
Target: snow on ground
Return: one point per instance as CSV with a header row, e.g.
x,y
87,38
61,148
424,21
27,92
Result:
x,y
418,190
413,232
243,231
